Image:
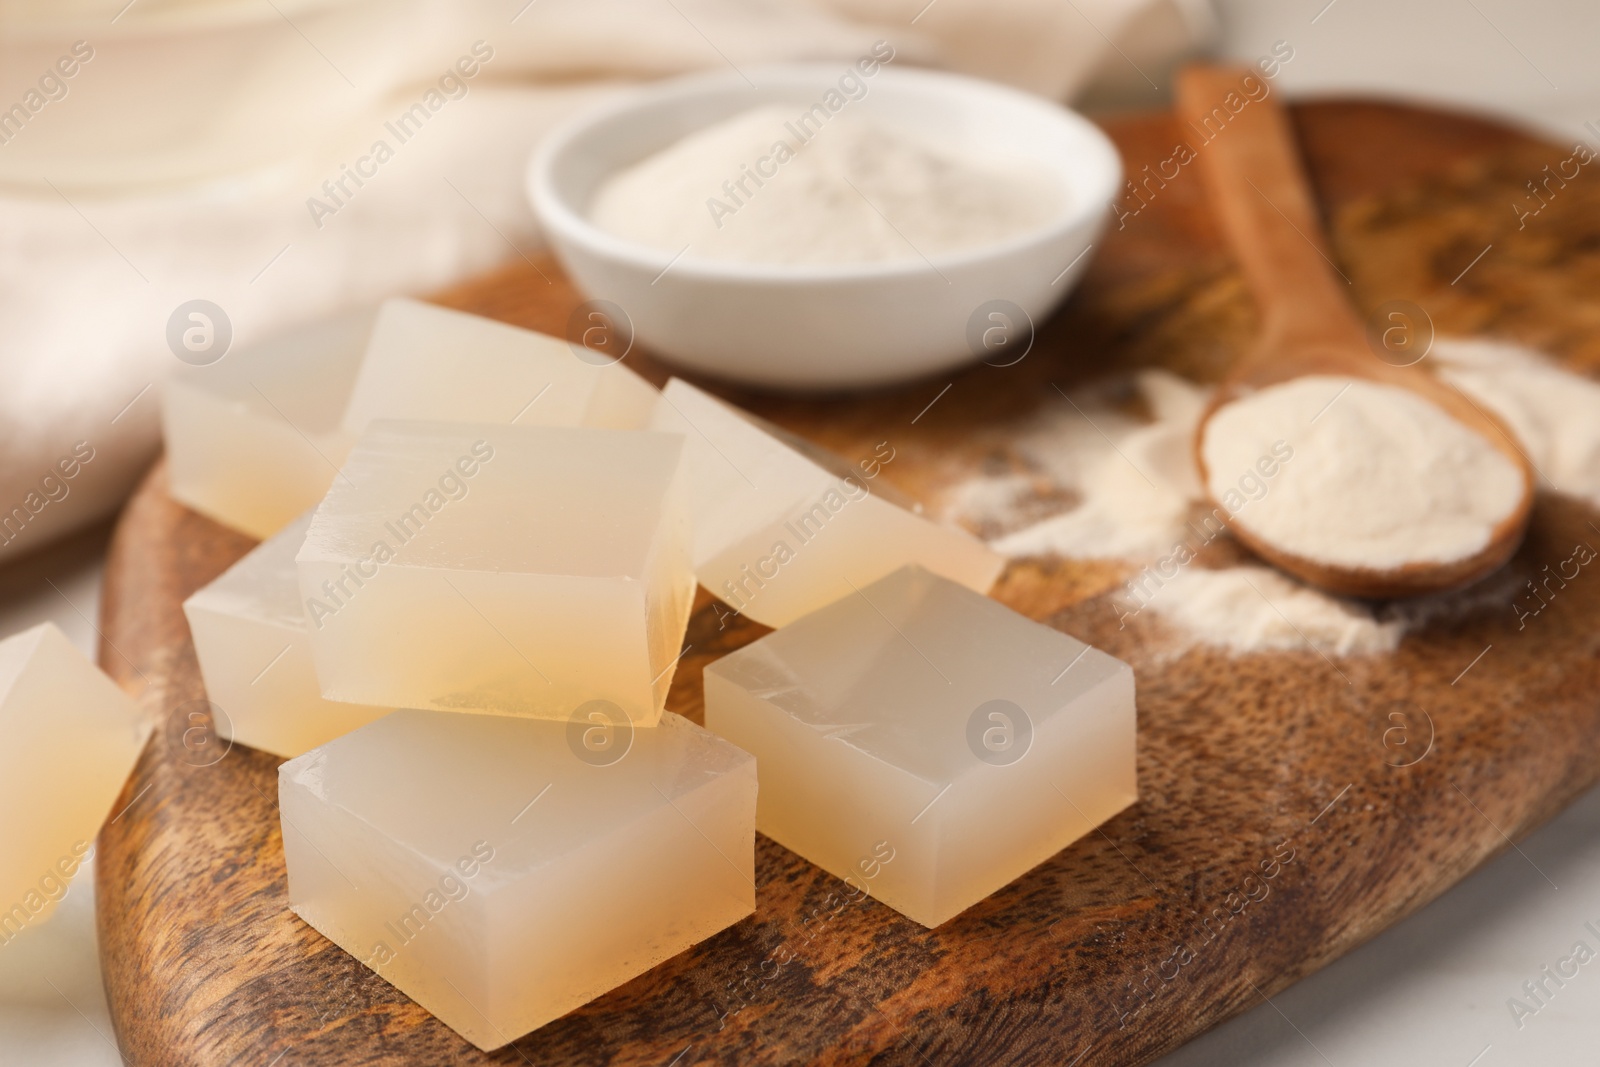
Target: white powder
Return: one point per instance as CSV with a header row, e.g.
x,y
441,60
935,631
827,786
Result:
x,y
1135,497
1246,609
1074,491
757,188
1134,479
1380,476
1554,413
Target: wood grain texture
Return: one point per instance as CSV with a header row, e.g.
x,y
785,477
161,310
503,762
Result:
x,y
1275,830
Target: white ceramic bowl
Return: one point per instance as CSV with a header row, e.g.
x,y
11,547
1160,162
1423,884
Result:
x,y
815,327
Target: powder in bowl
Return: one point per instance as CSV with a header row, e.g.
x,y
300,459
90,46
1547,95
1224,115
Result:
x,y
1381,477
758,188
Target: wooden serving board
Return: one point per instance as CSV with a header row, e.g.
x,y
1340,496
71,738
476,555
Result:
x,y
1282,819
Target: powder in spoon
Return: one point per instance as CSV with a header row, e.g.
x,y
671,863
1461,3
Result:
x,y
1381,477
756,188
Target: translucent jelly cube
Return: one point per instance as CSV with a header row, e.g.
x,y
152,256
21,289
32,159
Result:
x,y
428,362
519,570
925,742
502,872
71,737
783,527
253,439
254,645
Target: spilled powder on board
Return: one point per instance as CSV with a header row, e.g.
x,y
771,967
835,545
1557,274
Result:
x,y
1125,488
1554,413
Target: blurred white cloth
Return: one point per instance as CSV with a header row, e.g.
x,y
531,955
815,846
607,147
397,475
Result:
x,y
94,259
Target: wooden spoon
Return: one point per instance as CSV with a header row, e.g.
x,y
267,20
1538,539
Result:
x,y
1309,326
